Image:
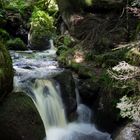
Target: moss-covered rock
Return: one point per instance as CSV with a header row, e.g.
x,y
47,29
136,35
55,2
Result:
x,y
41,30
16,44
6,72
19,119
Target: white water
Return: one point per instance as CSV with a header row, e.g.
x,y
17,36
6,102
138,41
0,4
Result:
x,y
48,104
50,107
46,97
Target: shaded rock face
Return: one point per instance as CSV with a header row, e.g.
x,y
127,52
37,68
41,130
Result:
x,y
108,4
38,42
100,101
67,87
129,132
105,112
19,119
102,32
88,92
6,72
16,24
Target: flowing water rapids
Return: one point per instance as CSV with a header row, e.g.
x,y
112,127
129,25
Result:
x,y
33,75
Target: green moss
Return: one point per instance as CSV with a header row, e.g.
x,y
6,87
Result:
x,y
16,44
65,55
42,24
109,59
19,117
6,71
17,5
4,35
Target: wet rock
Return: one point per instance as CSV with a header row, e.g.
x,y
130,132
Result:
x,y
38,42
6,72
16,24
129,132
16,44
19,119
67,87
88,90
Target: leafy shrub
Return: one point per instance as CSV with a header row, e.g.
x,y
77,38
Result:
x,y
42,23
16,44
49,5
18,5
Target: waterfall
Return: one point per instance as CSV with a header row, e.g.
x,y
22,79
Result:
x,y
33,73
46,97
48,103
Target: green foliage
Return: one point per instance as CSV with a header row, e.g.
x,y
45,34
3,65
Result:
x,y
135,3
107,59
88,2
105,79
65,41
48,5
4,35
16,44
1,13
42,23
18,5
134,56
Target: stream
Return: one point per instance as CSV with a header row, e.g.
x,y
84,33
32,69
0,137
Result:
x,y
34,72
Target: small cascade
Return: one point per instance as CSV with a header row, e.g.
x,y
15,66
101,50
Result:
x,y
84,113
48,103
46,97
33,73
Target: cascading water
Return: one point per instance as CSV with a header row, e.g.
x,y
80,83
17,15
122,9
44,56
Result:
x,y
33,72
48,103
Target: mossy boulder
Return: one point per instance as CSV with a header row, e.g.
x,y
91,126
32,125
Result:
x,y
41,30
19,119
6,72
16,44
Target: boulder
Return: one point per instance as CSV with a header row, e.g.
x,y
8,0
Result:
x,y
38,40
6,72
16,44
67,87
131,131
16,24
41,30
19,119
